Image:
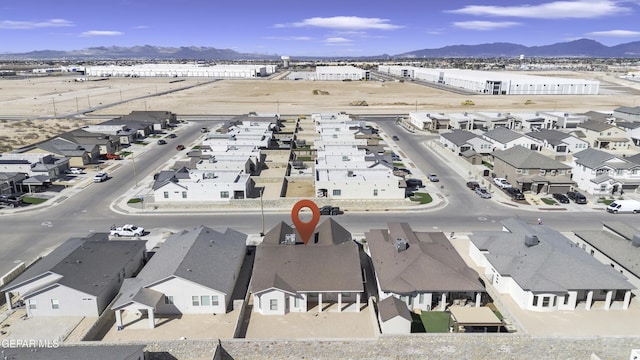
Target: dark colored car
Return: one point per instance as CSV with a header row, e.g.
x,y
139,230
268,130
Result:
x,y
10,200
180,147
162,142
561,198
395,137
173,136
515,194
330,210
413,182
473,185
577,197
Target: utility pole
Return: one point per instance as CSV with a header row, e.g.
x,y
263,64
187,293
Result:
x,y
55,113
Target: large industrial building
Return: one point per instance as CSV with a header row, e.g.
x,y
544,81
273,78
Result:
x,y
182,70
341,73
496,83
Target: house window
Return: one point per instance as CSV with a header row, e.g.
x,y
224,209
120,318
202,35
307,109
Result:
x,y
545,301
535,300
592,253
32,304
166,194
224,194
375,192
184,194
603,187
421,299
337,192
543,172
566,300
205,300
168,300
296,302
273,304
195,300
55,304
214,300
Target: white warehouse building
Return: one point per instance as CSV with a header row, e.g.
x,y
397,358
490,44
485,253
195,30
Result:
x,y
182,70
496,83
341,73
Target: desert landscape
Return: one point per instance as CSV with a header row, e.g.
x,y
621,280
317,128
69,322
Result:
x,y
33,109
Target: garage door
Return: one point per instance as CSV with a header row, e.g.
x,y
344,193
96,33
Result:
x,y
562,189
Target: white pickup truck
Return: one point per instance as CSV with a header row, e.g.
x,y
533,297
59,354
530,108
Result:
x,y
127,230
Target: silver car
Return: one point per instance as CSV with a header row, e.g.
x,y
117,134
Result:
x,y
483,193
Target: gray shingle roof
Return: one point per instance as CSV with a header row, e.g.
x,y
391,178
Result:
x,y
594,158
634,159
553,137
85,265
523,158
391,307
430,264
594,125
615,242
459,137
202,255
628,110
555,265
502,135
63,147
331,264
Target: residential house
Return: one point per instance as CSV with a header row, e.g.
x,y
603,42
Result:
x,y
429,121
46,165
604,136
503,138
599,173
557,144
542,270
10,182
133,130
533,121
564,120
158,120
485,120
529,170
460,141
124,135
627,113
289,276
632,129
422,269
108,144
394,316
192,272
600,117
78,278
461,121
78,155
187,185
616,244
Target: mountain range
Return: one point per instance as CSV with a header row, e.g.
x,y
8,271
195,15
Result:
x,y
583,48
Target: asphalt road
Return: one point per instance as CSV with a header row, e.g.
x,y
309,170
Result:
x,y
29,234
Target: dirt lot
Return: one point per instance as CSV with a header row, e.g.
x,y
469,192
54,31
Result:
x,y
60,96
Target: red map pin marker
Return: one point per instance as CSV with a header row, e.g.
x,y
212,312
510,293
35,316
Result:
x,y
305,229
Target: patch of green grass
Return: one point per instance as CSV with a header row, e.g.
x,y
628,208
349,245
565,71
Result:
x,y
436,321
498,315
398,164
303,158
33,200
605,201
487,164
416,324
548,201
143,143
134,201
423,198
197,147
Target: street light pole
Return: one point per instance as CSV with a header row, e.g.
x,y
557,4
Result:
x,y
262,211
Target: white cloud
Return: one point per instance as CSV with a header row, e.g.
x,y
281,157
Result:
x,y
344,23
581,9
290,38
615,33
26,25
337,41
92,33
484,25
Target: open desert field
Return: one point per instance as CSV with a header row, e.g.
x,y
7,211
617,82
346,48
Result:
x,y
46,106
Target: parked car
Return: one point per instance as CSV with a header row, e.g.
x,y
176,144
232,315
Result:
x,y
110,156
395,157
413,182
561,198
75,171
127,230
395,137
577,197
100,177
330,210
502,183
515,194
11,200
433,177
473,185
180,147
403,170
624,206
162,142
483,193
172,135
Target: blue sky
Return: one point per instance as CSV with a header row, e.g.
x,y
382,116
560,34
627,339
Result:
x,y
307,27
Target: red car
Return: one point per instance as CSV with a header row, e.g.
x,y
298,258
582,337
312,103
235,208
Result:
x,y
180,147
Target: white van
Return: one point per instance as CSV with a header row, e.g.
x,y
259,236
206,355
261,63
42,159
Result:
x,y
624,206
